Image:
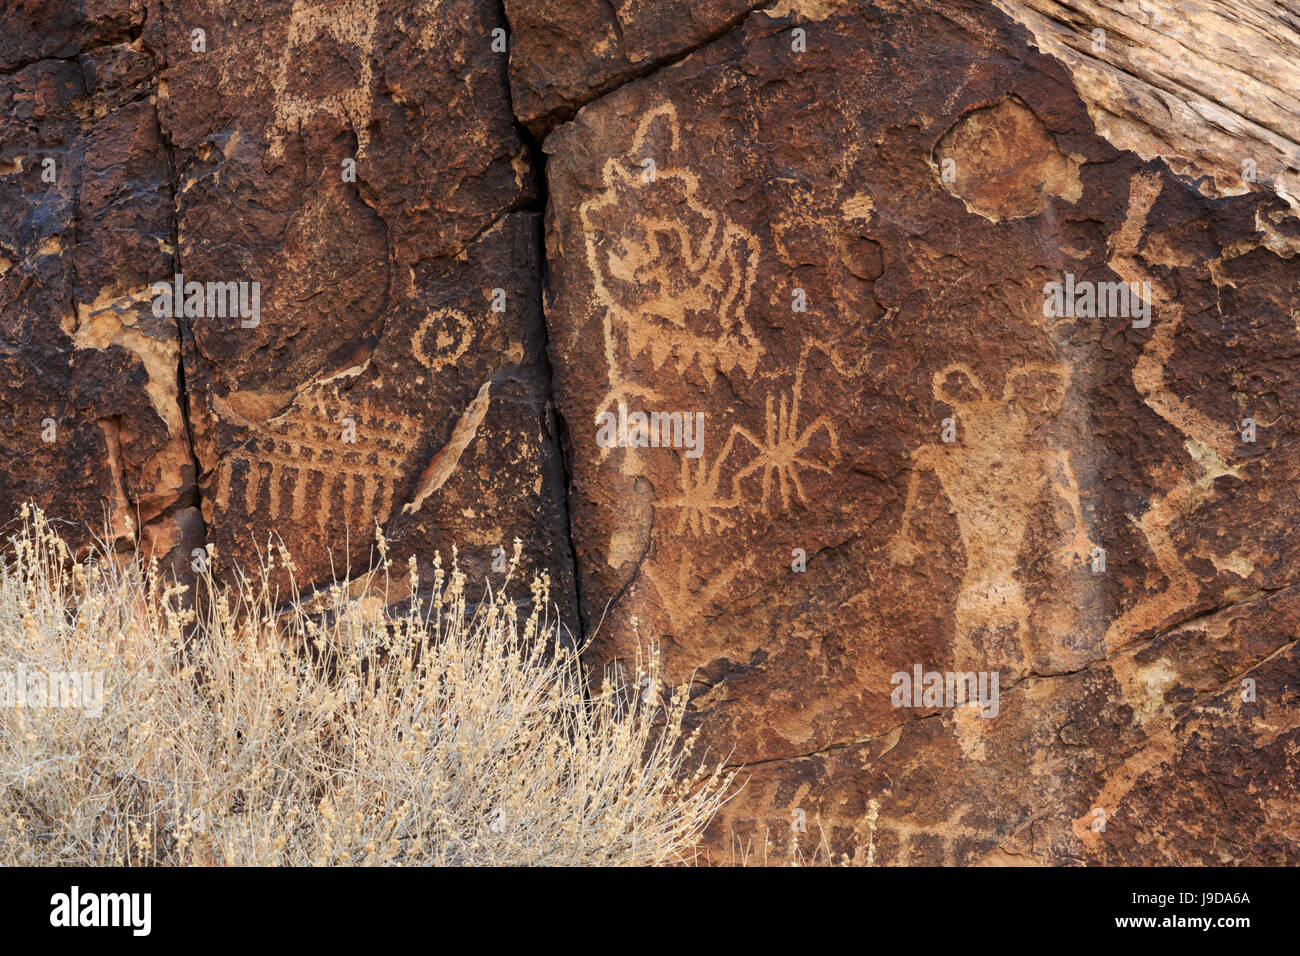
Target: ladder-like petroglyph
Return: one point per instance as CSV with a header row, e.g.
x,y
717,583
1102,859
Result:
x,y
319,459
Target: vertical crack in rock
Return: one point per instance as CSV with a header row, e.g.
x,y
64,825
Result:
x,y
370,175
842,260
182,328
559,431
179,528
88,214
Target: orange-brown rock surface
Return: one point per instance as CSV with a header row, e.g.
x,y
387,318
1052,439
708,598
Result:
x,y
964,341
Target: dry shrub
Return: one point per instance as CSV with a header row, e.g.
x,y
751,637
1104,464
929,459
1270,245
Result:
x,y
440,734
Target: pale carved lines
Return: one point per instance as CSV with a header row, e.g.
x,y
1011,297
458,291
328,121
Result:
x,y
659,256
308,444
945,842
780,454
454,328
1207,443
351,23
305,447
991,480
945,835
781,449
663,262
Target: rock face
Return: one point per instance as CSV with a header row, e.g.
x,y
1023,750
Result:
x,y
1210,88
858,343
910,459
353,187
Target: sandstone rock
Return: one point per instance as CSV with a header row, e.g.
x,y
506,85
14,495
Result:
x,y
1211,88
362,166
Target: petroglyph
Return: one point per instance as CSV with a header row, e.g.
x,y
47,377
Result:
x,y
320,455
701,509
906,843
917,842
446,460
781,453
672,275
782,447
1209,445
992,479
693,596
453,337
349,26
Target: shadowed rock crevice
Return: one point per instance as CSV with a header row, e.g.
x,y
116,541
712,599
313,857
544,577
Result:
x,y
557,429
195,536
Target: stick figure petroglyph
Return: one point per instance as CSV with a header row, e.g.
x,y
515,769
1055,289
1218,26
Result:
x,y
699,503
992,480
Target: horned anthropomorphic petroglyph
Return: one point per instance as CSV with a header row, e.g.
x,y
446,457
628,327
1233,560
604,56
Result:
x,y
992,478
349,25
